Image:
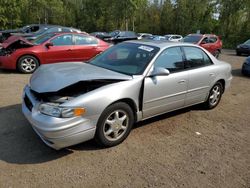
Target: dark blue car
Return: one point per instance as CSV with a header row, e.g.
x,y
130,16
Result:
x,y
246,67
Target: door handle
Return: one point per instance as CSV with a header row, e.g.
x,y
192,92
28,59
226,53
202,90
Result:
x,y
211,74
182,81
69,49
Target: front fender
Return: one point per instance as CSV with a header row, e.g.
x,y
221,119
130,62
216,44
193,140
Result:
x,y
96,101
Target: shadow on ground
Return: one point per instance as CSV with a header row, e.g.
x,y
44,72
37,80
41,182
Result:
x,y
5,71
19,144
237,73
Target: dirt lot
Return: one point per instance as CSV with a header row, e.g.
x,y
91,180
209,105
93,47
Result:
x,y
160,152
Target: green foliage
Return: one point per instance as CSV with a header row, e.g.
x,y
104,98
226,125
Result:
x,y
228,18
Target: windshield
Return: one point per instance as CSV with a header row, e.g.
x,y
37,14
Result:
x,y
126,58
192,38
43,38
247,42
114,33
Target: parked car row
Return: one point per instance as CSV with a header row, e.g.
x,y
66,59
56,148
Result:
x,y
25,56
22,49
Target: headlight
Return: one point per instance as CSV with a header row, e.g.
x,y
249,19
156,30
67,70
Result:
x,y
238,46
56,111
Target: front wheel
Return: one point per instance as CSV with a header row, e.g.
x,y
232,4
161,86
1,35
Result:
x,y
27,64
214,96
114,124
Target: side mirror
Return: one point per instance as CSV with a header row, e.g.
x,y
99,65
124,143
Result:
x,y
49,44
159,71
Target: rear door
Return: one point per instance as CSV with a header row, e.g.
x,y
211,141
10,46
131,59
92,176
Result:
x,y
166,93
201,74
85,47
61,51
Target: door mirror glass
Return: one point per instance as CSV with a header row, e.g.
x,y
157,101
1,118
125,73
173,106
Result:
x,y
159,71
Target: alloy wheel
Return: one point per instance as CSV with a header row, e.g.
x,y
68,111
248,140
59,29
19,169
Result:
x,y
115,125
28,64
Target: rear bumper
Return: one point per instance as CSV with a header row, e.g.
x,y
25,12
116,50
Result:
x,y
57,132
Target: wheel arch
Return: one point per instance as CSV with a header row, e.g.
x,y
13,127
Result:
x,y
35,56
223,82
131,104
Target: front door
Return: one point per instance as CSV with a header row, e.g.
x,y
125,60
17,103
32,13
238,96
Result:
x,y
61,51
166,93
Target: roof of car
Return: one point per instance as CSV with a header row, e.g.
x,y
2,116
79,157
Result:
x,y
159,43
196,34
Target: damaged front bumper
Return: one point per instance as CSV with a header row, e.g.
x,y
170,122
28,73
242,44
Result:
x,y
56,132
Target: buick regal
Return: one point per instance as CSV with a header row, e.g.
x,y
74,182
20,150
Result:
x,y
69,103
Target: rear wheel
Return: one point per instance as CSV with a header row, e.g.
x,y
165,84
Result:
x,y
214,96
114,124
27,64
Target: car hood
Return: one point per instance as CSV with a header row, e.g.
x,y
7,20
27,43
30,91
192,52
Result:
x,y
16,39
244,46
54,77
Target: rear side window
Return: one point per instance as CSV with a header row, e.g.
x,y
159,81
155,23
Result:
x,y
195,57
84,40
171,59
212,39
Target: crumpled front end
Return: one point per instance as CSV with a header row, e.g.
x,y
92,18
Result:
x,y
56,132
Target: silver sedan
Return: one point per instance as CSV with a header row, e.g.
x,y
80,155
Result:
x,y
69,103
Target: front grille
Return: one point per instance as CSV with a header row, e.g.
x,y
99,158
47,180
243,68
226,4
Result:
x,y
28,103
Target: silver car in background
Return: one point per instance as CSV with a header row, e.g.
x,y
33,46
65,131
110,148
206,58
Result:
x,y
69,103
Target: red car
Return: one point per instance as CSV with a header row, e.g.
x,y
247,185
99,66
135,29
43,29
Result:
x,y
210,42
25,56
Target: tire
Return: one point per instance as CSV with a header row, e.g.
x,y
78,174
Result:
x,y
238,53
114,124
27,64
214,96
217,54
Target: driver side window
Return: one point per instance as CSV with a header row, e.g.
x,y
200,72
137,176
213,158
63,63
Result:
x,y
171,59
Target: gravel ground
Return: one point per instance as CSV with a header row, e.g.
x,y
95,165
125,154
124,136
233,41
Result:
x,y
165,151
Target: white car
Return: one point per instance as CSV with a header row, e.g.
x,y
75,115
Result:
x,y
173,38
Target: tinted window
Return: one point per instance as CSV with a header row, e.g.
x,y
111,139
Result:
x,y
192,38
247,42
62,40
84,40
127,58
114,33
34,28
196,57
176,37
205,40
212,39
171,59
